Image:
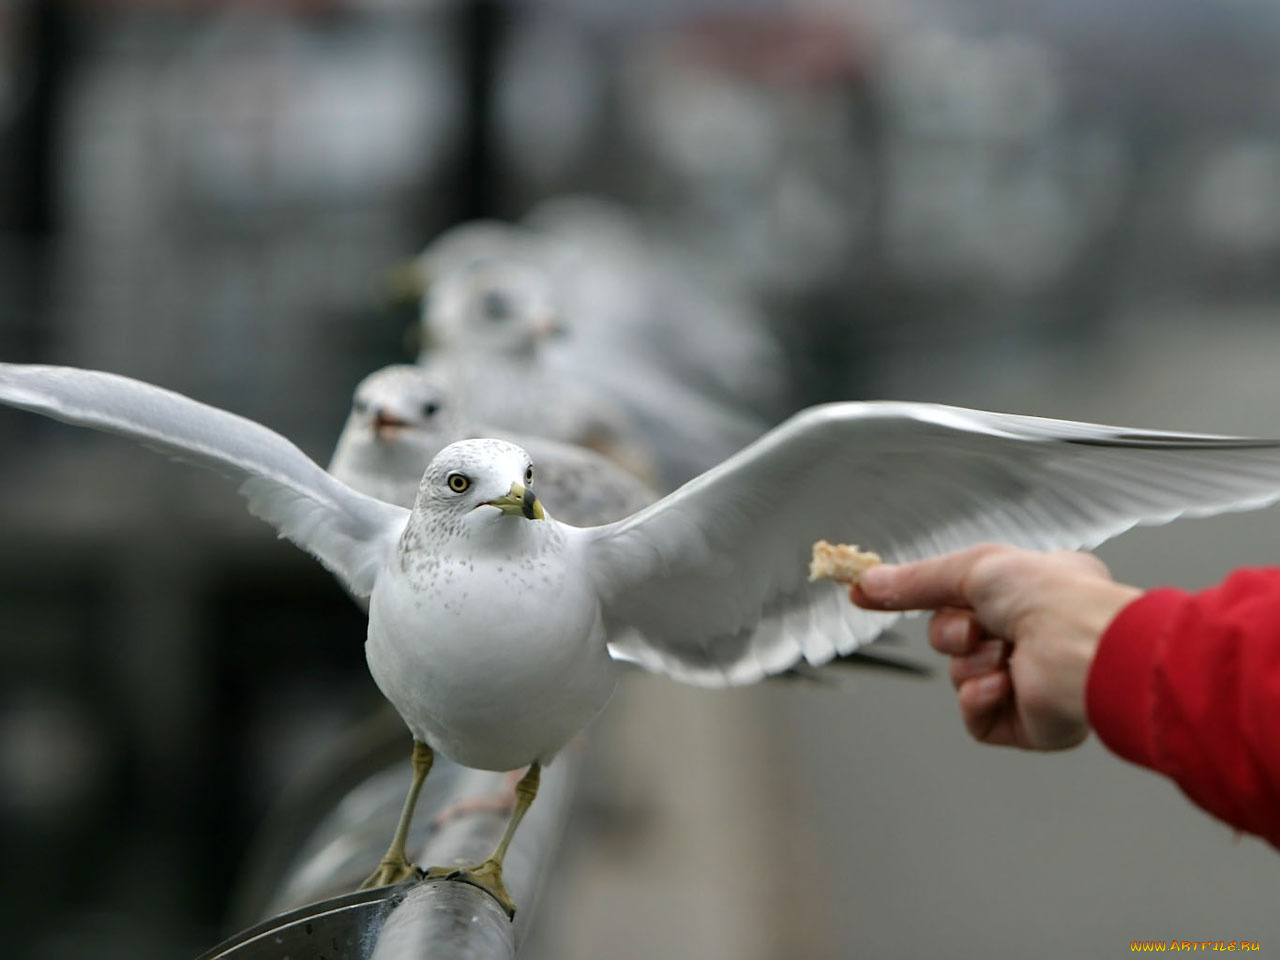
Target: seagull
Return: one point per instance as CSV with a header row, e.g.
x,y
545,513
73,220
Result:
x,y
408,281
490,322
469,241
624,300
498,632
629,295
402,416
494,329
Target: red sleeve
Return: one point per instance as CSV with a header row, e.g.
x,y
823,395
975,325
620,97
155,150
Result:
x,y
1189,686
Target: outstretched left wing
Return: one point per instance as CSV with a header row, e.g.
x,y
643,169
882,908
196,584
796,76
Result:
x,y
351,534
710,584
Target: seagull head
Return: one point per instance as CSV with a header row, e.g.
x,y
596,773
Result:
x,y
400,418
399,400
480,483
408,281
496,306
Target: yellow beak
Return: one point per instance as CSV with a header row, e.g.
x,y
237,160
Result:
x,y
520,499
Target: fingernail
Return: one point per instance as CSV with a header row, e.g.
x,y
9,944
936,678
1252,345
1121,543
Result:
x,y
955,631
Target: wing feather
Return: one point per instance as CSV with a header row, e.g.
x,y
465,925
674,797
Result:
x,y
711,581
351,534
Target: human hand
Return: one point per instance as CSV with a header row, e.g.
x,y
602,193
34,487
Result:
x,y
1021,628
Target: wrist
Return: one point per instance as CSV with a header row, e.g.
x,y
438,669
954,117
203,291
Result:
x,y
1060,642
1097,605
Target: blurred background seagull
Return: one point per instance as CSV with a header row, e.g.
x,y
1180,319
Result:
x,y
497,631
489,321
630,296
402,416
582,307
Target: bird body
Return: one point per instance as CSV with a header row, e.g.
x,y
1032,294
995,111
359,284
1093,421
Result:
x,y
471,674
484,632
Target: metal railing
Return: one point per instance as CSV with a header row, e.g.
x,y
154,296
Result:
x,y
331,831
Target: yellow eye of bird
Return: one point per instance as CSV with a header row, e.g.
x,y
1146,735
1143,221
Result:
x,y
528,475
458,482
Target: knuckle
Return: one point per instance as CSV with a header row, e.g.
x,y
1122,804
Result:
x,y
992,564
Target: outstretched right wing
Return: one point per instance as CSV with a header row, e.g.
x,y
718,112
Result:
x,y
351,534
712,581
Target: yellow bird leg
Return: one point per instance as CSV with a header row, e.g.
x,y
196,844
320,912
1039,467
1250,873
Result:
x,y
488,875
395,866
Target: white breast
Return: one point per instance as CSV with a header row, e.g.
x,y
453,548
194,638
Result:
x,y
495,660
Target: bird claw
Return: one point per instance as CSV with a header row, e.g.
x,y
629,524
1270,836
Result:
x,y
487,876
392,870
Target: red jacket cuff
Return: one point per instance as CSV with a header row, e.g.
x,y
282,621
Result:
x,y
1120,696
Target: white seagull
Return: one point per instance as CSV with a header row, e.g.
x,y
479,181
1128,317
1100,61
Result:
x,y
487,343
583,342
497,632
401,416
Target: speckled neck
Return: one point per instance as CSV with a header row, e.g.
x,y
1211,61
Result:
x,y
439,534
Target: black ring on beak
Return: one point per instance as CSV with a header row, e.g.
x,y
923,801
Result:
x,y
527,502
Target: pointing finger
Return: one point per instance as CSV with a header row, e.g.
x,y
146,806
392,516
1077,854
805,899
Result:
x,y
923,585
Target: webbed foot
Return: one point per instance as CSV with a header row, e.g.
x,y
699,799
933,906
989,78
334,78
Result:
x,y
391,870
487,876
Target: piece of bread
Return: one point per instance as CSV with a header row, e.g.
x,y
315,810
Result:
x,y
840,561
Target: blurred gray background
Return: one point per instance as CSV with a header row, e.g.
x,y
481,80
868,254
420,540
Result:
x,y
1065,209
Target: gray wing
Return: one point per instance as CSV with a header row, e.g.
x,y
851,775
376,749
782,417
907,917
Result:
x,y
351,534
711,582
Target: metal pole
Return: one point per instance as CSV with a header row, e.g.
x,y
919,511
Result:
x,y
314,863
